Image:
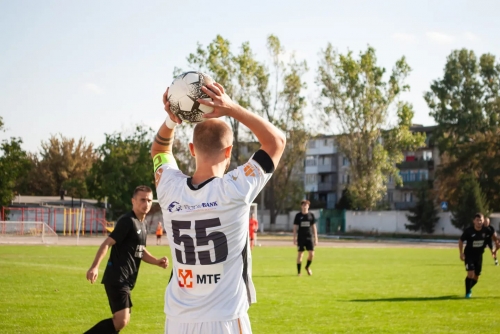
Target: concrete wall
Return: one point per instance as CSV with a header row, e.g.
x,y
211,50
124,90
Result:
x,y
372,222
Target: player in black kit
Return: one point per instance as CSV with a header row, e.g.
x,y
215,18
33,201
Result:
x,y
490,243
128,249
476,237
304,230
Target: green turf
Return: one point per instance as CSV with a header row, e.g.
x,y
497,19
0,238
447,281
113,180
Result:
x,y
43,290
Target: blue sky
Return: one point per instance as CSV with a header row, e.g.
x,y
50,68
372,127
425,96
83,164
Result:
x,y
85,68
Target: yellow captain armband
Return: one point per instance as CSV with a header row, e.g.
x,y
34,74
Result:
x,y
163,158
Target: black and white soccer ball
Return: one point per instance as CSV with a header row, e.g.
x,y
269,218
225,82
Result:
x,y
183,95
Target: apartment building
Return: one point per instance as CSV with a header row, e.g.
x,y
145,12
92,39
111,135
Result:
x,y
327,171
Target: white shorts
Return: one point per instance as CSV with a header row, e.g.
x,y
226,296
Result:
x,y
235,326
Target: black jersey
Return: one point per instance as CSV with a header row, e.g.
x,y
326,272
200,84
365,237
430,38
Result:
x,y
476,240
125,258
304,222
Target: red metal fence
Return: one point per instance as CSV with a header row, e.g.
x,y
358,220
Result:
x,y
61,220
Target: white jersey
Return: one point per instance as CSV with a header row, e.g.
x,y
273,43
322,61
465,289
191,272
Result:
x,y
207,229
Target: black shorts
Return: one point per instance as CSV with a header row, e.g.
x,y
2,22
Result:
x,y
118,297
305,244
158,237
474,263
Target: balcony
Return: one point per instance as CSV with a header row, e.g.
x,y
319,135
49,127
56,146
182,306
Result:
x,y
416,164
414,184
325,186
327,168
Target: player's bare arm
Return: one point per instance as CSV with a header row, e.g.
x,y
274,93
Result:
x,y
92,273
164,139
294,234
272,140
461,249
148,258
315,231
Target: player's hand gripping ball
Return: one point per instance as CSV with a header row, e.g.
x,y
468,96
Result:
x,y
183,95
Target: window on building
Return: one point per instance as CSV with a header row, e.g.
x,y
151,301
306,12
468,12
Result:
x,y
310,160
427,155
345,161
311,144
311,178
390,196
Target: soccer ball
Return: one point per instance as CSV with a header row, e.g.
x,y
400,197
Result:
x,y
183,94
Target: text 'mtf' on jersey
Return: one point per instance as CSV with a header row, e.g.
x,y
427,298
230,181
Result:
x,y
207,229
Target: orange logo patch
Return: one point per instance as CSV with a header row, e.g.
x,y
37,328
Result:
x,y
158,176
249,170
187,278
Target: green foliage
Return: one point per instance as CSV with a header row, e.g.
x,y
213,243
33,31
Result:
x,y
424,216
358,99
247,81
466,100
41,285
60,160
124,163
14,165
233,71
471,200
345,202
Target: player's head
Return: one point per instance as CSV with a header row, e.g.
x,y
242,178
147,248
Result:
x,y
212,142
142,199
486,221
478,219
304,205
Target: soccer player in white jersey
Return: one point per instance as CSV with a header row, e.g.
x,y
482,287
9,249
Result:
x,y
206,217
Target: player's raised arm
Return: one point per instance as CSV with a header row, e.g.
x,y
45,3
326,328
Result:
x,y
270,137
164,139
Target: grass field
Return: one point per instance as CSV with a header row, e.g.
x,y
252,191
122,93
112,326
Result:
x,y
353,290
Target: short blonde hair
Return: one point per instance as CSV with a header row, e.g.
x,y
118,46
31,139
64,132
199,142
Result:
x,y
212,136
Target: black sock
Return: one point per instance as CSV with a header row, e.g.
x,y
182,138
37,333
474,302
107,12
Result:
x,y
473,282
103,327
467,285
298,267
308,264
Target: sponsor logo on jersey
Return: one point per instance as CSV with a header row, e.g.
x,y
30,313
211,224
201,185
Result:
x,y
139,251
305,224
190,280
478,243
158,174
174,206
249,170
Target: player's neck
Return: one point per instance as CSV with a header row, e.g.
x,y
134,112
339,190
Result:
x,y
478,228
139,215
305,212
204,172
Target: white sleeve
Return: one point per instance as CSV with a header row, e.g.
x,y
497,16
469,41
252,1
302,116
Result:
x,y
247,181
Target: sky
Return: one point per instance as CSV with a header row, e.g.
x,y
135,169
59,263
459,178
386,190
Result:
x,y
90,68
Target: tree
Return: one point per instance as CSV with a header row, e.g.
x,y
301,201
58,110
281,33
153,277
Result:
x,y
282,103
466,100
234,72
424,216
246,81
345,202
471,200
355,95
124,162
14,164
60,159
479,156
